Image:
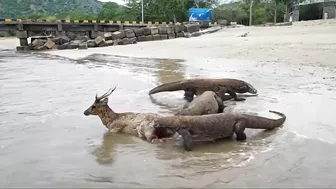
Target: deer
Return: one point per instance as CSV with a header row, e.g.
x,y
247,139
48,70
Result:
x,y
131,123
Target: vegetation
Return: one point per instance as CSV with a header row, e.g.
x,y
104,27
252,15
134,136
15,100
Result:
x,y
154,10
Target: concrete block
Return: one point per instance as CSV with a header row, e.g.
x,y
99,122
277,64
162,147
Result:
x,y
38,42
83,45
171,36
49,44
125,41
95,34
91,43
41,48
118,35
177,28
141,38
64,39
99,40
156,37
23,42
163,30
138,32
164,36
191,28
103,44
170,29
146,31
149,37
63,46
129,33
74,44
108,36
22,34
109,43
22,48
154,30
133,40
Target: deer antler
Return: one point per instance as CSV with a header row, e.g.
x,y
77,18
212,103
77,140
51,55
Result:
x,y
108,93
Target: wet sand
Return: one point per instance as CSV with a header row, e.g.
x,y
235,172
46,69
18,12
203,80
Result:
x,y
60,147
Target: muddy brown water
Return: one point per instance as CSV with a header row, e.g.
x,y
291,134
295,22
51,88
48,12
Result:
x,y
46,141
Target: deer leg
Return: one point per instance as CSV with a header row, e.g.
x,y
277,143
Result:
x,y
239,128
187,139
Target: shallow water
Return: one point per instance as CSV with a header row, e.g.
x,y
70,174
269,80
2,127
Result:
x,y
46,141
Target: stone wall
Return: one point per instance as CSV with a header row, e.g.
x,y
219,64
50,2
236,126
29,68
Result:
x,y
71,40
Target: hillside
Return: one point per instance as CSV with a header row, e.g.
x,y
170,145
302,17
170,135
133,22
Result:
x,y
22,8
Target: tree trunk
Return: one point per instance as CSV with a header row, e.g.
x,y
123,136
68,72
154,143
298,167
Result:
x,y
275,13
250,21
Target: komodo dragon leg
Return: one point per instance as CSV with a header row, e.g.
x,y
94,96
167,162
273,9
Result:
x,y
189,94
188,143
239,128
233,94
221,105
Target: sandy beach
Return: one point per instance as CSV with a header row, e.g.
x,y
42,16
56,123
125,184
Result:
x,y
307,42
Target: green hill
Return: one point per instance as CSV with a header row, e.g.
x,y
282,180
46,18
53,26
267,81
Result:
x,y
22,8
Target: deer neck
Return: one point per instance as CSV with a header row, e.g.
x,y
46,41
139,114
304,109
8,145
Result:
x,y
107,115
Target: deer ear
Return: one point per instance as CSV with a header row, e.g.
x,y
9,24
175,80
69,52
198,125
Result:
x,y
105,100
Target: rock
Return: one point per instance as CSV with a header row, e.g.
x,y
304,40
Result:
x,y
84,38
171,36
164,36
71,35
191,28
163,30
109,43
95,34
49,44
196,34
129,33
177,28
38,42
118,35
149,37
22,48
146,31
91,43
83,45
124,41
103,44
133,40
170,29
56,40
64,39
99,40
116,42
154,30
141,38
180,34
138,32
63,46
74,44
41,48
108,36
156,37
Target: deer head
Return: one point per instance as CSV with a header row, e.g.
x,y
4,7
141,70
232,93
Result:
x,y
100,103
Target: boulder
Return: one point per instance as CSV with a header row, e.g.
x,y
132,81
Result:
x,y
124,41
91,43
108,36
118,35
116,42
84,38
63,46
163,30
95,34
83,45
149,38
71,35
38,42
99,40
141,38
180,34
146,31
49,44
133,40
129,33
138,32
164,36
41,48
56,40
156,37
109,43
171,36
154,30
64,39
187,34
177,28
103,44
74,44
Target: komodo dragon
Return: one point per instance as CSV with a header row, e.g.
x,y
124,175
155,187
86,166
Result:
x,y
208,102
196,87
212,127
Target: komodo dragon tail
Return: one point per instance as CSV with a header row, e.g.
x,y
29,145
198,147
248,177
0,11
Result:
x,y
173,86
258,122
